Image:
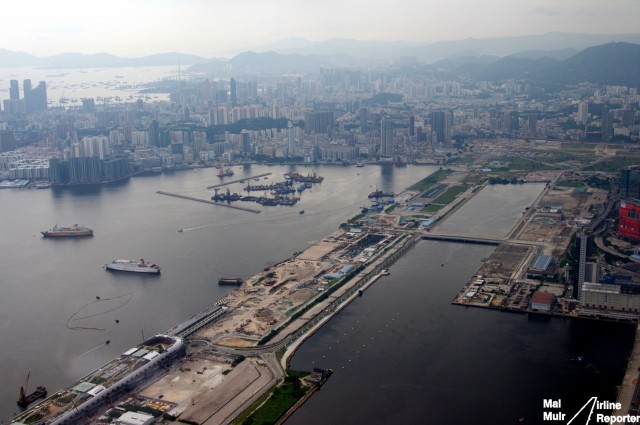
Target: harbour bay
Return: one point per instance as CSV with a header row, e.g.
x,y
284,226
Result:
x,y
132,221
45,282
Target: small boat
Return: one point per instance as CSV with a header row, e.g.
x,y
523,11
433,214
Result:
x,y
180,230
230,281
301,211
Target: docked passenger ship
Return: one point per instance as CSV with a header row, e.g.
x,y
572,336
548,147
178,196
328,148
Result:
x,y
139,266
67,232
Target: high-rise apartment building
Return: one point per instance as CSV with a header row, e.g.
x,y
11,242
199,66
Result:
x,y
154,133
319,121
7,142
246,142
363,116
291,139
386,137
606,123
583,112
35,99
14,90
441,126
233,91
630,183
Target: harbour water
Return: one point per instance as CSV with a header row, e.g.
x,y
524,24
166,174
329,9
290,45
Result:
x,y
404,354
67,87
401,353
51,322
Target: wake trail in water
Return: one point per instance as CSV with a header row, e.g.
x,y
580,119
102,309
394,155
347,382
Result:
x,y
92,350
126,298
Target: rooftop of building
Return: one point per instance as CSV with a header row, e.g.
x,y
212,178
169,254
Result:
x,y
542,297
97,381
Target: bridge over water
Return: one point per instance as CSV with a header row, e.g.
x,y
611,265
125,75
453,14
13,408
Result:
x,y
463,239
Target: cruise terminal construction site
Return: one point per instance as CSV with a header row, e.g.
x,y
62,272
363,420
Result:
x,y
222,365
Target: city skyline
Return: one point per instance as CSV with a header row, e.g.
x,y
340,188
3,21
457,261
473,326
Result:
x,y
207,29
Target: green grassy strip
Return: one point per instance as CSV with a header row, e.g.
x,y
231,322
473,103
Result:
x,y
450,194
391,208
614,164
430,180
432,208
279,401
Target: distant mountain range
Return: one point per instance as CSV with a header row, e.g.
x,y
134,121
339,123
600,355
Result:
x,y
554,45
610,64
554,58
433,52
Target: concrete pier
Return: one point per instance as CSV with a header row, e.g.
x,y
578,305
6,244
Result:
x,y
238,180
206,201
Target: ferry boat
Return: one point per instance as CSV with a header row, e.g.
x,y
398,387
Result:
x,y
67,232
133,266
230,281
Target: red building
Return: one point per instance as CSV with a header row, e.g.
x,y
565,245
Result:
x,y
629,223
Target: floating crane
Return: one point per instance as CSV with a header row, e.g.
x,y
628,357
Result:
x,y
25,400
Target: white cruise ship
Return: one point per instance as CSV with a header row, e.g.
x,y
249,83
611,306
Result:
x,y
135,266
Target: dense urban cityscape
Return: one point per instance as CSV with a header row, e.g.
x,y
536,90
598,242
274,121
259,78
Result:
x,y
568,147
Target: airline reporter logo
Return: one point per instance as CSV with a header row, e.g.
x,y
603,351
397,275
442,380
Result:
x,y
586,415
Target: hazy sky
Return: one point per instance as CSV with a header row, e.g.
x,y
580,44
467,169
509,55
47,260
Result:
x,y
133,28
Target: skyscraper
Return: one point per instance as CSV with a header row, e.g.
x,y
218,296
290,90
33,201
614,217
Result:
x,y
630,183
533,124
154,133
291,139
26,87
363,116
583,112
318,121
441,126
14,90
606,124
233,91
246,142
386,137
